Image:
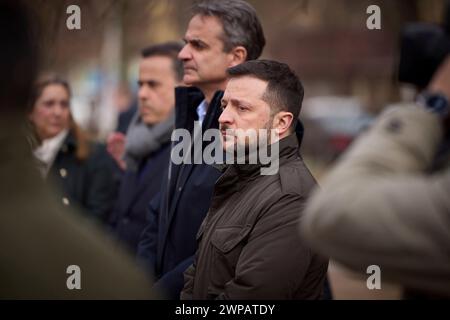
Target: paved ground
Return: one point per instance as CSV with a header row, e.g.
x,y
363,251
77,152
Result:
x,y
349,285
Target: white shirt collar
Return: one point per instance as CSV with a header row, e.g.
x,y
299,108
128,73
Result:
x,y
201,111
46,152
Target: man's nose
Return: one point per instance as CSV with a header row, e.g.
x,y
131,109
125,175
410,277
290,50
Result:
x,y
184,54
143,92
226,117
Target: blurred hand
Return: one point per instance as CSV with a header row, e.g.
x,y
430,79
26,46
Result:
x,y
441,84
441,79
115,145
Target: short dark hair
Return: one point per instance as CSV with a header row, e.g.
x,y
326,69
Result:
x,y
169,50
284,90
240,23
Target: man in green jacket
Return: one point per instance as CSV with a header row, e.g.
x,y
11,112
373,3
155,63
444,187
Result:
x,y
249,247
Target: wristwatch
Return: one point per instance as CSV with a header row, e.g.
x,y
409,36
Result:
x,y
434,102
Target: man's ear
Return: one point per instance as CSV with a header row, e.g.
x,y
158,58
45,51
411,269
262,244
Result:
x,y
238,55
282,121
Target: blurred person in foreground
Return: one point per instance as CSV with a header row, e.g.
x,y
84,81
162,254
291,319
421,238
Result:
x,y
387,201
79,169
248,244
39,237
146,147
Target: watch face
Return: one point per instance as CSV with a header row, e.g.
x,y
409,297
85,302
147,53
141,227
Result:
x,y
437,103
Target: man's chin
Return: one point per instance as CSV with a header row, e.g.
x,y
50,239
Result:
x,y
190,80
236,149
229,147
148,120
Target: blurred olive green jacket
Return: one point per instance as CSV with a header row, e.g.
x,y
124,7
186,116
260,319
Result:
x,y
40,239
382,205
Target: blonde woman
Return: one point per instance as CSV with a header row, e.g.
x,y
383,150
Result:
x,y
80,170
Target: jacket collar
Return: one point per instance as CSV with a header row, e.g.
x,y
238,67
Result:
x,y
70,143
299,131
187,100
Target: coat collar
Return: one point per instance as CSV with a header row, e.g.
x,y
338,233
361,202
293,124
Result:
x,y
187,100
70,143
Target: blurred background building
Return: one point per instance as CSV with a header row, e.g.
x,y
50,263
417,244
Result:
x,y
348,71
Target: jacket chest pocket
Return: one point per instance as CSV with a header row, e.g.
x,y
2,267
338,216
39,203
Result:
x,y
228,243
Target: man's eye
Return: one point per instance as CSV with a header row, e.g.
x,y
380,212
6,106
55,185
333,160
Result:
x,y
241,108
197,45
151,84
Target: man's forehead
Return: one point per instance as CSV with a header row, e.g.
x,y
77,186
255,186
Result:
x,y
201,27
245,86
156,67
